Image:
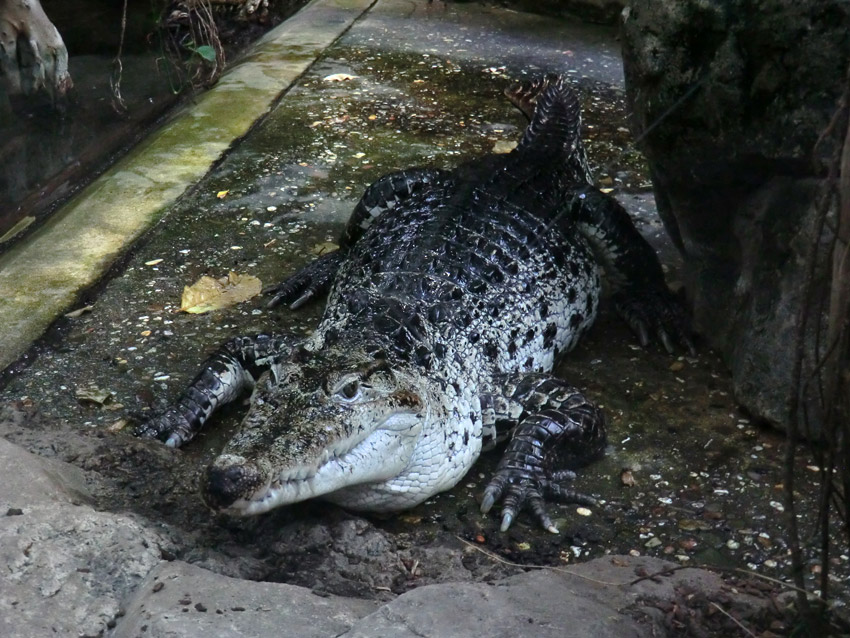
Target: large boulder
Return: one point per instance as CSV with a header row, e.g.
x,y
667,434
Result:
x,y
728,101
66,566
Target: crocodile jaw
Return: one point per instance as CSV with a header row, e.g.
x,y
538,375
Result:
x,y
377,458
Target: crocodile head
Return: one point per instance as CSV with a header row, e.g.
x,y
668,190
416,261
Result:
x,y
326,421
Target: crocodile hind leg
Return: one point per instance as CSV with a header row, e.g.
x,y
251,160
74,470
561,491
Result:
x,y
315,279
553,430
641,295
232,370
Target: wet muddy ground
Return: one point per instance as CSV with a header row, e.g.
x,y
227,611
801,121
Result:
x,y
687,477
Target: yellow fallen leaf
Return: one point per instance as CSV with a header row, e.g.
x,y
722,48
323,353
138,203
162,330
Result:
x,y
119,425
93,394
153,262
222,194
18,228
338,77
504,146
324,247
79,311
373,117
208,294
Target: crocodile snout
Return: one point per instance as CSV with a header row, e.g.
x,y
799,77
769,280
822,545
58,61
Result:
x,y
229,479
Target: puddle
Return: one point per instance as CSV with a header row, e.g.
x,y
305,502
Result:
x,y
687,476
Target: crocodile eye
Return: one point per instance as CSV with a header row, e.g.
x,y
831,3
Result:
x,y
350,390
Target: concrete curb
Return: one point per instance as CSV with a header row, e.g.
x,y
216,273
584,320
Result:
x,y
42,277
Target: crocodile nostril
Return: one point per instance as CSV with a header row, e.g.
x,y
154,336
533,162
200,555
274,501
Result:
x,y
225,483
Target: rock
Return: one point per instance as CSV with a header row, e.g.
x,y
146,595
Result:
x,y
178,599
729,99
593,599
66,567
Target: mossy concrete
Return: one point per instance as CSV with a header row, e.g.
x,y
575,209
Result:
x,y
41,278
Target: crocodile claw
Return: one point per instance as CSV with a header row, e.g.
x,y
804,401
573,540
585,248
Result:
x,y
170,427
520,491
311,281
658,312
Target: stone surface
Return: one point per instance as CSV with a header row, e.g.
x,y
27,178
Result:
x,y
593,599
728,100
540,604
178,599
66,567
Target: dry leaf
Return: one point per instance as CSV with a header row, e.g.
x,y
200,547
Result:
x,y
693,525
208,294
93,394
153,262
338,77
79,311
222,194
504,146
627,478
119,425
324,248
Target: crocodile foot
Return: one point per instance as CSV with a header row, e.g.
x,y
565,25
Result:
x,y
656,312
170,427
523,488
311,281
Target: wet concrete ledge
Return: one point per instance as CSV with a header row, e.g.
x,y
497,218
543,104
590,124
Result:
x,y
43,276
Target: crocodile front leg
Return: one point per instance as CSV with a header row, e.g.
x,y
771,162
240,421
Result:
x,y
641,295
316,278
232,370
553,430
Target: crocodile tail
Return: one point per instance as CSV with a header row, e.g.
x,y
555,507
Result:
x,y
523,95
553,109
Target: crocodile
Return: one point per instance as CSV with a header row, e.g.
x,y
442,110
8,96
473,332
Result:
x,y
450,297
